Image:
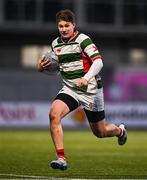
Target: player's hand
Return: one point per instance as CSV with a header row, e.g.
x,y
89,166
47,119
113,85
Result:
x,y
43,64
81,82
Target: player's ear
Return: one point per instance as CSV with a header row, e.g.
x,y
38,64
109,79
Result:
x,y
74,26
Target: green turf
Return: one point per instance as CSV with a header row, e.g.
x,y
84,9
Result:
x,y
28,153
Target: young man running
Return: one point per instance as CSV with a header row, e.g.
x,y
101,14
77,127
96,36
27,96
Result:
x,y
79,63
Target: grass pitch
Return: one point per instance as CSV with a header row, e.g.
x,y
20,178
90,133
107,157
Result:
x,y
25,154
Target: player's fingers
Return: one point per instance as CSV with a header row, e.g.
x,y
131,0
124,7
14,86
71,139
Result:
x,y
42,58
81,83
46,65
41,62
46,62
78,84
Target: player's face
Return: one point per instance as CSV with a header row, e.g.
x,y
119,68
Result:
x,y
66,29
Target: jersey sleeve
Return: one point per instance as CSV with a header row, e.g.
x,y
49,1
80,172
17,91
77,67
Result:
x,y
53,55
90,48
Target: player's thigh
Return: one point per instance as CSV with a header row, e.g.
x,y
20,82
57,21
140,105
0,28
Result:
x,y
64,103
69,98
58,109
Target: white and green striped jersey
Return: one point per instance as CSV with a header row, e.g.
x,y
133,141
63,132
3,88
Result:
x,y
75,58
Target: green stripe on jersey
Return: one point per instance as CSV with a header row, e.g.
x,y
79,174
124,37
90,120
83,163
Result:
x,y
73,74
59,45
94,55
62,44
65,58
72,42
86,43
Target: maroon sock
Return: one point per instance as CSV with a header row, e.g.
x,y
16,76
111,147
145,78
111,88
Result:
x,y
60,153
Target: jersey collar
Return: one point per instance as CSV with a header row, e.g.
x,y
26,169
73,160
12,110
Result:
x,y
69,39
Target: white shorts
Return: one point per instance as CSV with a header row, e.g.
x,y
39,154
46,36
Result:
x,y
90,102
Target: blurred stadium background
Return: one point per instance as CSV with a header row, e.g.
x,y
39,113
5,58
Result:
x,y
119,29
27,27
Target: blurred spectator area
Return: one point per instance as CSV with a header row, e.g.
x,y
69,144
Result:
x,y
97,13
27,27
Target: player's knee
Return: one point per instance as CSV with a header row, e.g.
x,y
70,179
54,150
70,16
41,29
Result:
x,y
54,119
99,133
53,115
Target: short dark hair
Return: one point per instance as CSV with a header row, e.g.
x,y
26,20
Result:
x,y
65,15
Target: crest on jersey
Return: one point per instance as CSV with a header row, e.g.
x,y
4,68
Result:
x,y
58,50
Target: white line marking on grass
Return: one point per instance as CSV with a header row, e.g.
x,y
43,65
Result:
x,y
39,177
24,176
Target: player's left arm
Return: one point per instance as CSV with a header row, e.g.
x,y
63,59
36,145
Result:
x,y
92,52
94,69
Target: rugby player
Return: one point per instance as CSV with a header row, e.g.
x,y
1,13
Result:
x,y
78,59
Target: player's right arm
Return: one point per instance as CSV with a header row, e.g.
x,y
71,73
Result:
x,y
48,63
43,64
